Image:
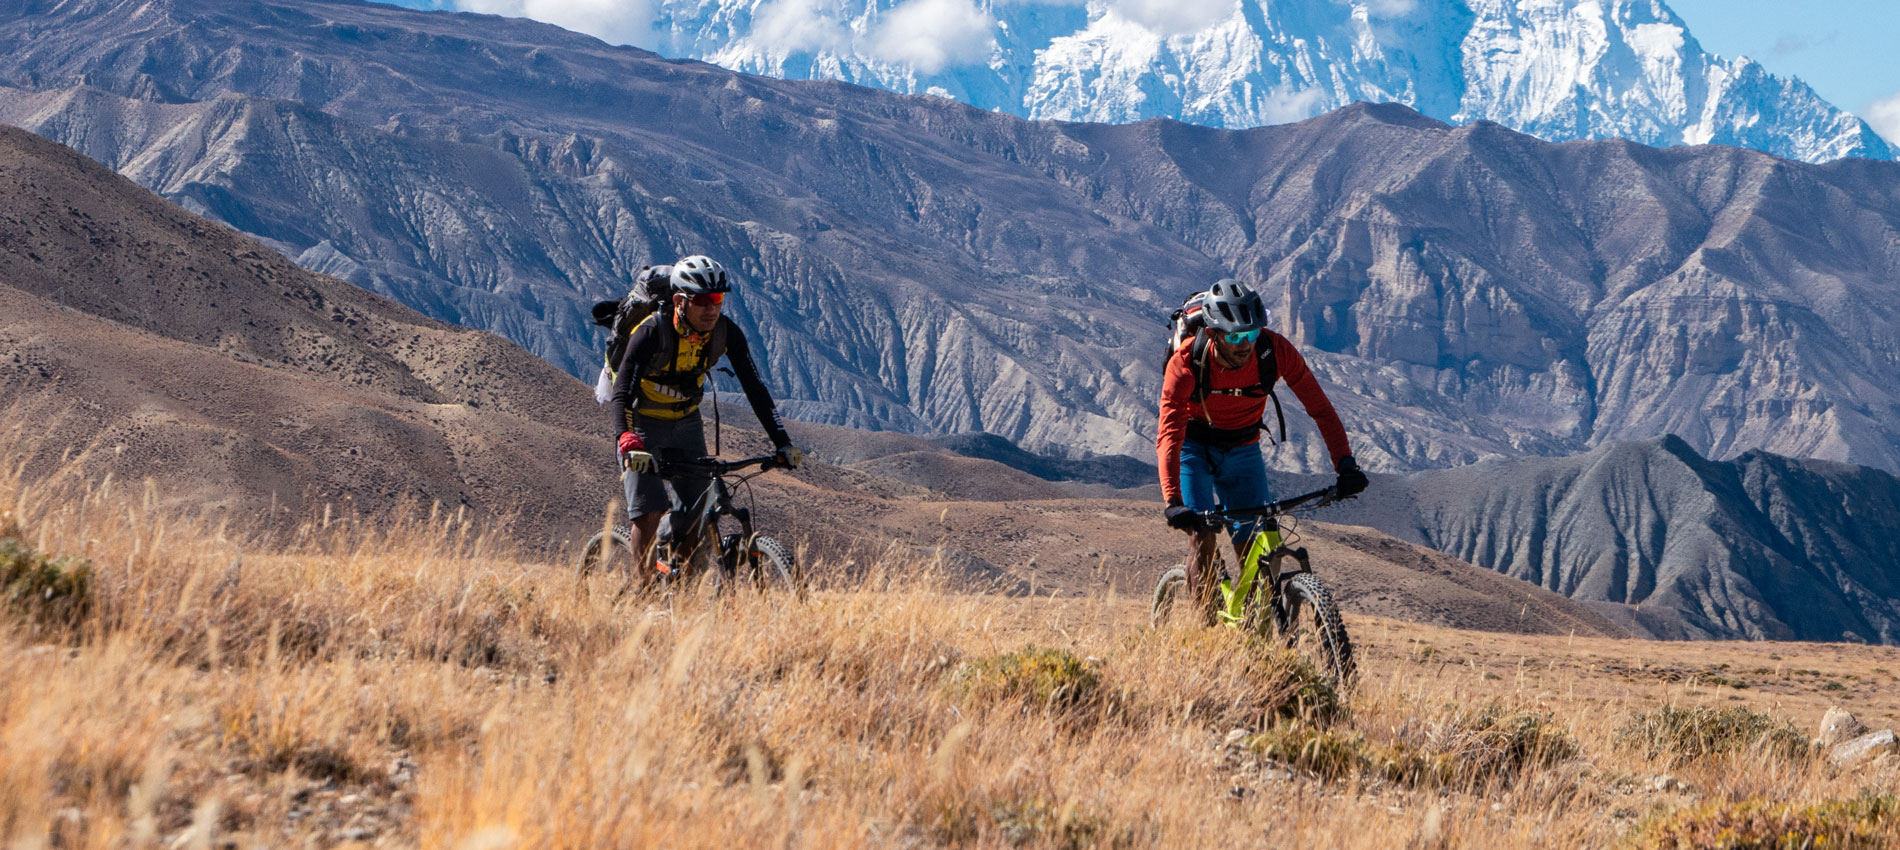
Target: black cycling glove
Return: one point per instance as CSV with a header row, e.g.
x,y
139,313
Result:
x,y
1352,482
1179,516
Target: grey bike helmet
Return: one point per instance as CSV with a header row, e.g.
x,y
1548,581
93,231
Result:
x,y
699,274
1233,308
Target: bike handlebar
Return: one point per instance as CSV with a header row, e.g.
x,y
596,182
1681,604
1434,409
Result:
x,y
1319,499
717,467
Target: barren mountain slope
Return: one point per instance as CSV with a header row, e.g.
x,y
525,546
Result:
x,y
916,264
192,355
188,355
1759,547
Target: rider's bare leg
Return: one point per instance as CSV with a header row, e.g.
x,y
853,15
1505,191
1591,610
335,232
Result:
x,y
641,538
1204,575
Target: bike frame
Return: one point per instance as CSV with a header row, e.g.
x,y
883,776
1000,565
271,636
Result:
x,y
1266,548
717,502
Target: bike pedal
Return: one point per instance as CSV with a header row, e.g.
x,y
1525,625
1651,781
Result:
x,y
664,568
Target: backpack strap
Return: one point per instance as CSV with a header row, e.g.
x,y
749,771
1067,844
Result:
x,y
1197,358
663,368
1268,375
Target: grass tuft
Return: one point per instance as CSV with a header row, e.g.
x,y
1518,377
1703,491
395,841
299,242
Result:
x,y
1465,751
1024,820
48,591
1866,821
1693,733
1053,679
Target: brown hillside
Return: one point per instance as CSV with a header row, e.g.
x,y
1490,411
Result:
x,y
190,355
195,356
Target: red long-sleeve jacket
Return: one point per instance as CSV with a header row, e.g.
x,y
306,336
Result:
x,y
1178,404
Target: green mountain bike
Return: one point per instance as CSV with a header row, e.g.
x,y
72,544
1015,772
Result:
x,y
1291,605
725,556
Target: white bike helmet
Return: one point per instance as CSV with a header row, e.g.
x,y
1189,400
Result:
x,y
699,274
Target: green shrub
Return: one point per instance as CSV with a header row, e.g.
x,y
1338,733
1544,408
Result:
x,y
1049,678
1692,733
1463,751
56,591
1022,820
1327,752
1867,821
1494,742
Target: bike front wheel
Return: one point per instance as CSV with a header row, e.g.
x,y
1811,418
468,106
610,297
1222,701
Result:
x,y
773,567
1310,622
606,551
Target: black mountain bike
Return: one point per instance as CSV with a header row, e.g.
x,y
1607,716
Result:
x,y
725,556
1292,605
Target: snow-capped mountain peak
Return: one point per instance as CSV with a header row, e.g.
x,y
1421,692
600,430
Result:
x,y
1560,69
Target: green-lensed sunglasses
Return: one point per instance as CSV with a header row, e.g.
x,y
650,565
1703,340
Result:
x,y
1242,337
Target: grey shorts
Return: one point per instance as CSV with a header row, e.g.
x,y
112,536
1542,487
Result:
x,y
682,439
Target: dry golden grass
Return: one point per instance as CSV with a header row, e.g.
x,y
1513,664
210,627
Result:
x,y
413,681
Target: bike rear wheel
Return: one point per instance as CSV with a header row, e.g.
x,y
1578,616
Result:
x,y
606,551
1312,626
1171,587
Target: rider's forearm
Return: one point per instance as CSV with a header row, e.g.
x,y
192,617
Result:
x,y
739,353
1177,393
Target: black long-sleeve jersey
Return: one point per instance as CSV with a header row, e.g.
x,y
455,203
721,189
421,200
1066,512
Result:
x,y
673,392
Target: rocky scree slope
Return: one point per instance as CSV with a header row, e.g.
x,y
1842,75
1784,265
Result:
x,y
184,353
1580,69
187,354
192,359
916,264
1671,544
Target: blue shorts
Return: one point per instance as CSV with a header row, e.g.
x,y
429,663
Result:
x,y
1217,479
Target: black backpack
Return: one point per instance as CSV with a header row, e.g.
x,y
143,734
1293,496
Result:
x,y
652,291
651,298
1188,328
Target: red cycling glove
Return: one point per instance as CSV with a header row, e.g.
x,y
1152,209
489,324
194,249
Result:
x,y
631,442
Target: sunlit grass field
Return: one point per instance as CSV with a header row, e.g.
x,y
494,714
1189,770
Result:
x,y
416,681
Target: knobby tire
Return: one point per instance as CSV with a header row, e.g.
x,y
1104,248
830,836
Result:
x,y
618,556
774,568
1173,584
1304,595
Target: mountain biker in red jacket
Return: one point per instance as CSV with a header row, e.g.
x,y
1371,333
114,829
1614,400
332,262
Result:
x,y
1208,442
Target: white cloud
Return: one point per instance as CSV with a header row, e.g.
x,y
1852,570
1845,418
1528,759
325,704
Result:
x,y
1391,8
930,35
1884,117
796,26
612,21
1286,107
1174,17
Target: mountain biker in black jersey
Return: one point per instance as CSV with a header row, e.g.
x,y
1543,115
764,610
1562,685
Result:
x,y
657,390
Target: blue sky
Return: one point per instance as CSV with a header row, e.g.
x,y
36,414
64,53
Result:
x,y
1845,49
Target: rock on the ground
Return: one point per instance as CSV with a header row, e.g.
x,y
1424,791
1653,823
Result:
x,y
1666,784
1838,726
1850,753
